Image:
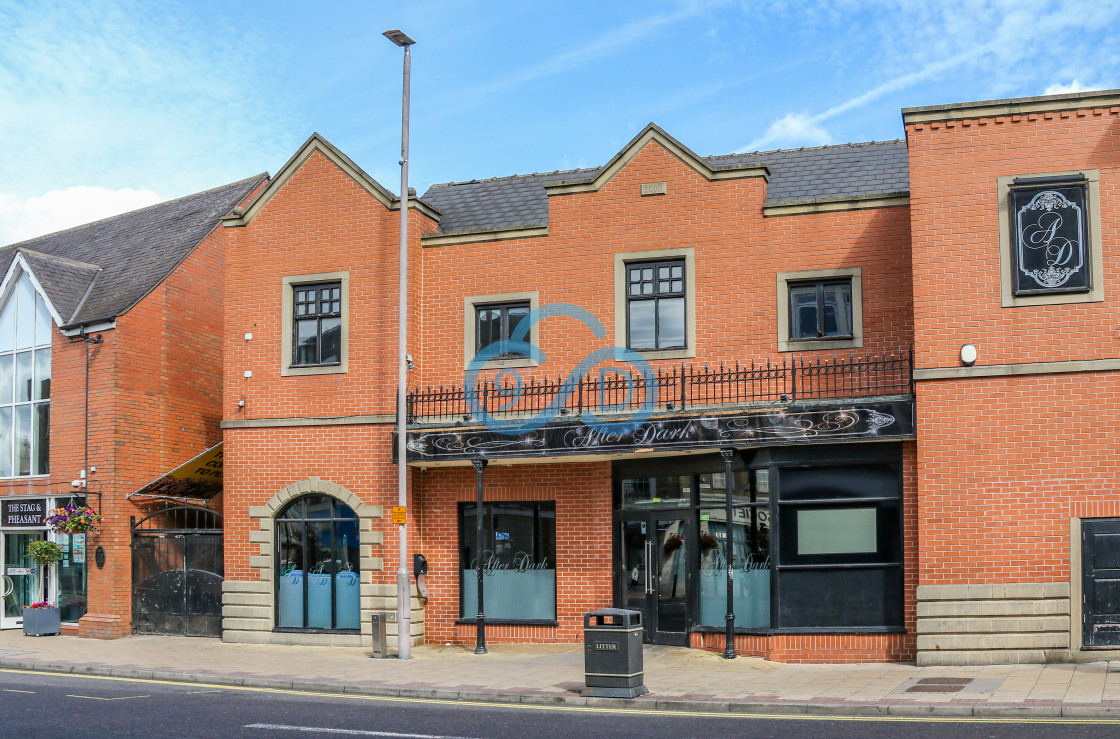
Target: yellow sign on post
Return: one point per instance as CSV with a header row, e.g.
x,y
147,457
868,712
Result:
x,y
399,514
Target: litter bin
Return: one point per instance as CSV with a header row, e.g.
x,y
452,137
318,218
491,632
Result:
x,y
613,666
379,647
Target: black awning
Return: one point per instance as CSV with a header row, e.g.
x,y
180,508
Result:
x,y
198,479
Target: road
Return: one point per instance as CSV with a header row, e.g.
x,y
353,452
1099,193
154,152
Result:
x,y
44,705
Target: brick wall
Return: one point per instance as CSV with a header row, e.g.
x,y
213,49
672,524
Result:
x,y
320,221
953,200
738,254
155,391
582,492
1003,464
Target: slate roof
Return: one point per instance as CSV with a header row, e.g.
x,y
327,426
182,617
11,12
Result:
x,y
844,171
847,170
99,270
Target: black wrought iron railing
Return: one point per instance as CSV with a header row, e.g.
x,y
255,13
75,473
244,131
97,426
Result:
x,y
795,378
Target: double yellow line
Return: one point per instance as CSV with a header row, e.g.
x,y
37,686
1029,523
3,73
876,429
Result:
x,y
210,687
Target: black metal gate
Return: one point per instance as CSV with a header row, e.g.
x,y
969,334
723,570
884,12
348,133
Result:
x,y
177,572
1100,565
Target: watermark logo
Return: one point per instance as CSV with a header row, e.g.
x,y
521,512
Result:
x,y
509,388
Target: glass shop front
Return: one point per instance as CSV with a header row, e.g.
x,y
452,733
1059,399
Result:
x,y
814,541
23,580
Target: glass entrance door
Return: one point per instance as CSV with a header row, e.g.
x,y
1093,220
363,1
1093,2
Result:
x,y
20,577
654,576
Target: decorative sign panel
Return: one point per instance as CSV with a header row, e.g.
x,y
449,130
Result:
x,y
867,422
30,512
1050,239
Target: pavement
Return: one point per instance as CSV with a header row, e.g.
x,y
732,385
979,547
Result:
x,y
678,679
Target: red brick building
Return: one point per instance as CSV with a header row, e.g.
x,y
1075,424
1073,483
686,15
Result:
x,y
764,301
851,401
110,375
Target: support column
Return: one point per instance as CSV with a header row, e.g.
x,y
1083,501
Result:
x,y
729,547
480,623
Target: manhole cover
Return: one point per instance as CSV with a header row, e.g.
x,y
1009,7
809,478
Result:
x,y
945,681
935,688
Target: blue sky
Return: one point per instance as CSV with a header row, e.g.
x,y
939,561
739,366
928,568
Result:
x,y
117,104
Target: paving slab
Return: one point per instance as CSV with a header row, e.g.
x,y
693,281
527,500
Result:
x,y
679,679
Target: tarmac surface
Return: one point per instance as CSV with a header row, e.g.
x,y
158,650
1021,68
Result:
x,y
678,679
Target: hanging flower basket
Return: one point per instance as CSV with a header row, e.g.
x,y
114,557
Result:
x,y
673,543
45,553
707,541
74,520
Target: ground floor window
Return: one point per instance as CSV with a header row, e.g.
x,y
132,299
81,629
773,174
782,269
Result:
x,y
518,561
72,577
317,578
814,542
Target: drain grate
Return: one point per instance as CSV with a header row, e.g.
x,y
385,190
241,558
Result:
x,y
939,685
945,681
935,688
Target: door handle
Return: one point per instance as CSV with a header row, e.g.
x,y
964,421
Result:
x,y
649,567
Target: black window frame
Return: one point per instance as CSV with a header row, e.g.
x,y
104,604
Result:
x,y
771,492
318,315
820,285
504,330
656,296
1023,190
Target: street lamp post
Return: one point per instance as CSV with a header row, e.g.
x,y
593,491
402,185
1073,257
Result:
x,y
404,582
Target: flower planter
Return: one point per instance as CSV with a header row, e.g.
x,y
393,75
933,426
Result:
x,y
41,622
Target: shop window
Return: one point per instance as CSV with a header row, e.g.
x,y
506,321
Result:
x,y
840,551
498,322
1050,238
518,561
655,305
72,577
25,382
318,581
820,309
748,555
315,324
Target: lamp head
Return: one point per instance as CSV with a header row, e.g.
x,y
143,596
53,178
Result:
x,y
399,37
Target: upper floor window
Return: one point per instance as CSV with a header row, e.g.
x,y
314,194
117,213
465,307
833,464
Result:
x,y
820,309
25,382
498,322
314,331
317,324
1050,235
655,304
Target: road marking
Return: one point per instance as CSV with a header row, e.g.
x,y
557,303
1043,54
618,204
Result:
x,y
9,690
352,732
589,709
196,692
99,698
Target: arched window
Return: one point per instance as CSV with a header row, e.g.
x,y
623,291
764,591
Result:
x,y
317,571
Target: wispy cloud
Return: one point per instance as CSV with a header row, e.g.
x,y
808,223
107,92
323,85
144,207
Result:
x,y
1014,34
605,44
123,94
